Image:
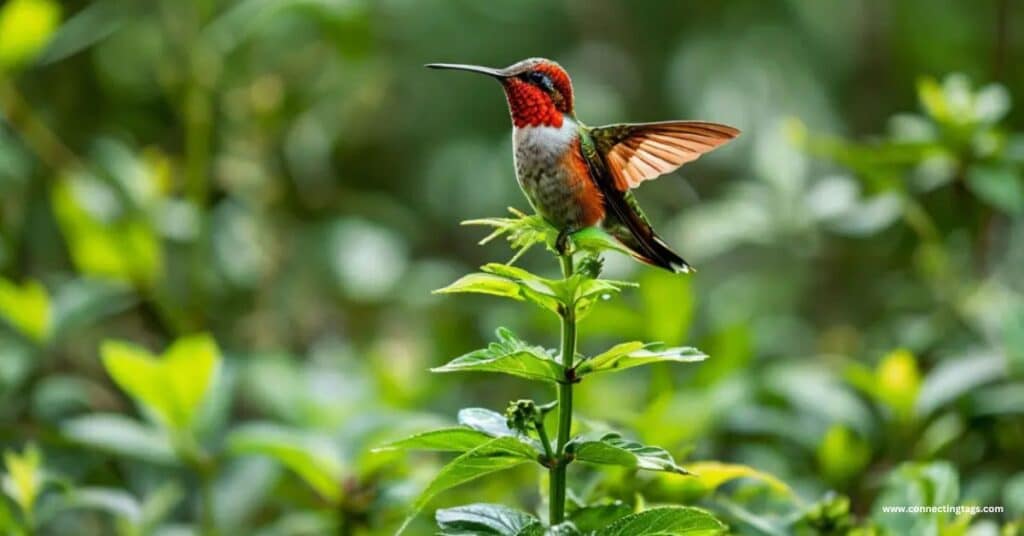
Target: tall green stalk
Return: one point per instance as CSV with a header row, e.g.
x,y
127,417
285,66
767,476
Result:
x,y
556,494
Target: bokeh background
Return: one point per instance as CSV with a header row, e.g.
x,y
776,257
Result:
x,y
284,176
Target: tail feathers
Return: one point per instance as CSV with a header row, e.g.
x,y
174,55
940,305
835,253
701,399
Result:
x,y
651,249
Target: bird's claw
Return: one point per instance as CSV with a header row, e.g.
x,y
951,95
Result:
x,y
563,244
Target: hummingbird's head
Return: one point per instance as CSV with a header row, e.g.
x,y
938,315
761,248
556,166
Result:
x,y
538,90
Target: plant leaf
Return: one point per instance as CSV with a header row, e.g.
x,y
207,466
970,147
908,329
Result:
x,y
523,231
445,440
496,455
666,521
711,474
25,478
635,354
114,501
584,292
612,449
510,356
595,516
487,520
26,308
27,26
120,435
483,284
172,388
489,422
314,458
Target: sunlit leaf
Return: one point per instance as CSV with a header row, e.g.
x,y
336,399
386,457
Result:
x,y
666,521
711,475
522,231
314,458
841,454
27,308
171,387
635,354
26,27
898,381
445,440
496,455
509,356
120,435
612,449
487,520
24,479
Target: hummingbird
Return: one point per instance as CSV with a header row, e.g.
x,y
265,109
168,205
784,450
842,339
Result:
x,y
576,176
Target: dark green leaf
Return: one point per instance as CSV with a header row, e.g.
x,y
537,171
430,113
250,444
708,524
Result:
x,y
486,520
510,356
496,455
666,521
612,449
596,516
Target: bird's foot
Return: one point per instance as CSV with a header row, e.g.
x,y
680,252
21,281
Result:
x,y
563,244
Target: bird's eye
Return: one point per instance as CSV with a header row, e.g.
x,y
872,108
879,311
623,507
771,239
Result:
x,y
541,80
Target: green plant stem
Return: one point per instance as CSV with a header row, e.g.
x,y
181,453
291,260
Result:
x,y
209,525
556,492
543,435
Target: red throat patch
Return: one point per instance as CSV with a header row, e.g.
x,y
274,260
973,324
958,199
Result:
x,y
531,106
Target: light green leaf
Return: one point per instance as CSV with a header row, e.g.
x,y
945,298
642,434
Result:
x,y
597,239
841,454
314,458
522,232
956,377
24,479
711,475
612,449
635,354
489,422
496,455
26,27
483,284
445,440
172,387
510,356
487,520
111,500
666,521
999,186
543,292
27,308
120,435
584,292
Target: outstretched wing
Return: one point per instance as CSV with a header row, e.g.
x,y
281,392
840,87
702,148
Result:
x,y
637,152
623,217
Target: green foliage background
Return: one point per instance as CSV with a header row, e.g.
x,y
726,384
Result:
x,y
220,223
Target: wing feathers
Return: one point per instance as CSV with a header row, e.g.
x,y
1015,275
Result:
x,y
639,152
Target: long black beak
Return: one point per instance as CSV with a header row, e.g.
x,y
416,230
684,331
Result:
x,y
496,73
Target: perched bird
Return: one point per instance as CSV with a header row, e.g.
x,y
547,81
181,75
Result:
x,y
576,176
